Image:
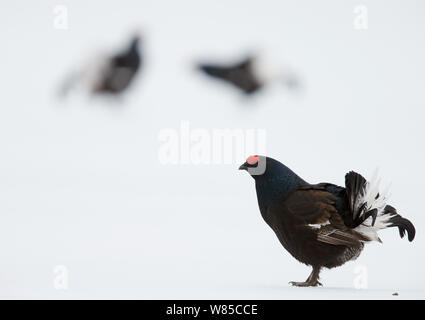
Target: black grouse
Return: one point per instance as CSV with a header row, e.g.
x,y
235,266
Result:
x,y
321,225
249,74
120,70
110,74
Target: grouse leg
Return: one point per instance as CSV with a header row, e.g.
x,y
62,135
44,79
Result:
x,y
312,280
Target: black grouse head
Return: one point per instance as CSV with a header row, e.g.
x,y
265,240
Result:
x,y
255,165
271,177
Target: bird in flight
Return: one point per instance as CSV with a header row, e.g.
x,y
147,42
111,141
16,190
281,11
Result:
x,y
322,225
110,74
249,74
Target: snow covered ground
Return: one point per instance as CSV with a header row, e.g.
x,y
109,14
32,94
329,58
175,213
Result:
x,y
81,185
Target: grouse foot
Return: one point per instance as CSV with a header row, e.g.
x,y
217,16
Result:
x,y
312,280
305,284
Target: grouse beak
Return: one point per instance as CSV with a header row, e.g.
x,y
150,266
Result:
x,y
243,167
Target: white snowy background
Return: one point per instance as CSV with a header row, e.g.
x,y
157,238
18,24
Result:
x,y
80,181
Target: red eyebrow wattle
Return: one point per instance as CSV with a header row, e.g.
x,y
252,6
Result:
x,y
252,159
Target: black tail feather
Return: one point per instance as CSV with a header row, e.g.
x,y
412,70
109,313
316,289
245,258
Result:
x,y
401,223
355,186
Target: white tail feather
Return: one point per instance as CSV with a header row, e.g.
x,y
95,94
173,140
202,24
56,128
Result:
x,y
374,200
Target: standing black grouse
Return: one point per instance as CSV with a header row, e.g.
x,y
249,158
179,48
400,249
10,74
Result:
x,y
322,225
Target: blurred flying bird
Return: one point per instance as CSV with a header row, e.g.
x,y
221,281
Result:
x,y
250,74
322,225
111,74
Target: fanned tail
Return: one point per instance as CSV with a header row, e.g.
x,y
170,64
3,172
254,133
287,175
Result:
x,y
369,208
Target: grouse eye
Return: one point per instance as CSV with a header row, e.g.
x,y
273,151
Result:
x,y
252,160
